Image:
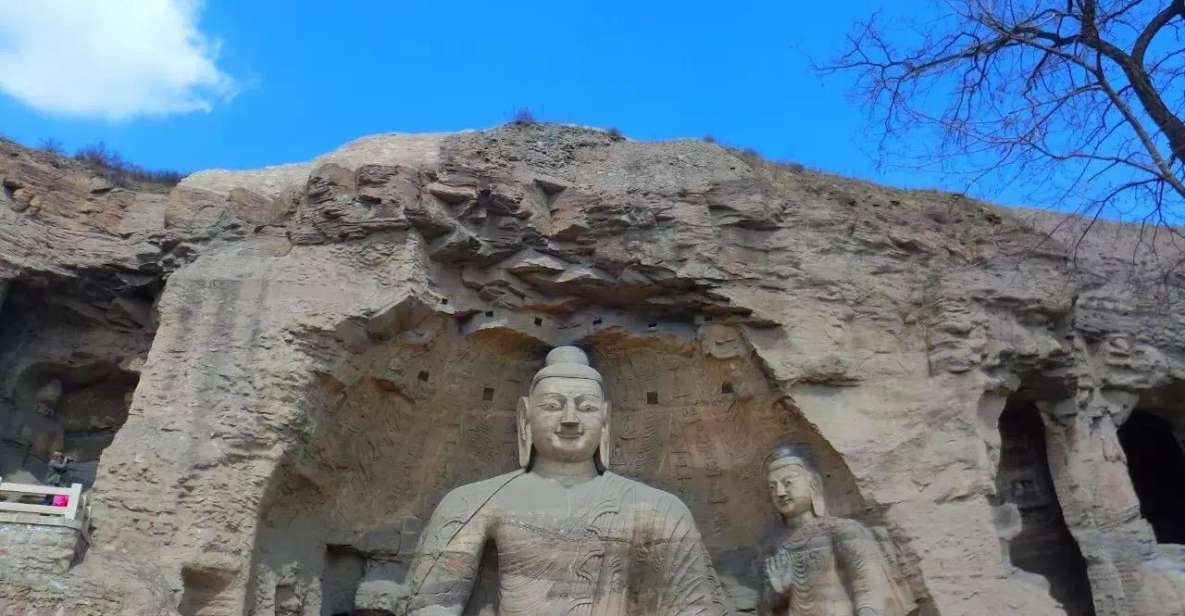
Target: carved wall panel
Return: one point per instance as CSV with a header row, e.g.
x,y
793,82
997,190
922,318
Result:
x,y
418,419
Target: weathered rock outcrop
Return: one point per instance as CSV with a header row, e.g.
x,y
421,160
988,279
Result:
x,y
319,351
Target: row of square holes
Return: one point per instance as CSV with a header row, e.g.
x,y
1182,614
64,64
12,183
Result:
x,y
487,393
652,397
596,321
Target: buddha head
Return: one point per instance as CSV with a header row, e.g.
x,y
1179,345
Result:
x,y
795,486
47,398
564,416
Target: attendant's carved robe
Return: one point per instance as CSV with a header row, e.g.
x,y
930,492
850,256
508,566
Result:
x,y
836,569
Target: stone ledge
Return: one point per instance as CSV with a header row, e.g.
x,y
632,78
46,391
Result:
x,y
36,548
8,517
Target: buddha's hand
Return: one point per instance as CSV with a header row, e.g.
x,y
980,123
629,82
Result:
x,y
779,572
868,611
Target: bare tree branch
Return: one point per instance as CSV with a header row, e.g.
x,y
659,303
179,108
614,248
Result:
x,y
1072,96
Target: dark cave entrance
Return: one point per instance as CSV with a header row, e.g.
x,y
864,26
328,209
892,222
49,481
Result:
x,y
1043,545
344,568
67,373
1156,462
91,408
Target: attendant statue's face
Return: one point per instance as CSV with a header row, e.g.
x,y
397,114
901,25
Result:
x,y
791,489
566,417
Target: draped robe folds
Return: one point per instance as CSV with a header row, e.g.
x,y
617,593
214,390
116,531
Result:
x,y
837,569
606,547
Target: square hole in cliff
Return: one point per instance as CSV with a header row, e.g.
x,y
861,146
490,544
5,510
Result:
x,y
726,388
423,376
652,397
487,394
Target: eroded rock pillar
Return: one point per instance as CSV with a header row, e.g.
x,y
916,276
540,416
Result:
x,y
221,396
1099,503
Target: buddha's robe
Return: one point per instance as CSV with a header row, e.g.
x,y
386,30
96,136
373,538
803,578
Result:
x,y
836,569
606,547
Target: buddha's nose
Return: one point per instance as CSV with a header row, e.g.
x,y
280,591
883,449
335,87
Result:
x,y
570,419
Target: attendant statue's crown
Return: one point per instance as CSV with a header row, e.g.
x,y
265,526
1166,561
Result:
x,y
567,361
791,450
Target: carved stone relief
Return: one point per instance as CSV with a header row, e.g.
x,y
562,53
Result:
x,y
432,411
820,564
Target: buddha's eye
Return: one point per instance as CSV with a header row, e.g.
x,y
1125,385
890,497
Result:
x,y
549,405
589,407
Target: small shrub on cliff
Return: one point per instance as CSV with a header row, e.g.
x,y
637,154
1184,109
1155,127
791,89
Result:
x,y
53,146
615,134
110,165
523,117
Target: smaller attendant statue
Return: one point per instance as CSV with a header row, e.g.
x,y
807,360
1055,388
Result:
x,y
822,565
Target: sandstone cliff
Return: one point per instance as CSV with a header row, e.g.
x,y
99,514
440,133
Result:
x,y
271,377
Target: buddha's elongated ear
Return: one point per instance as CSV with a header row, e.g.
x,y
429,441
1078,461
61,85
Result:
x,y
818,505
606,442
523,424
818,501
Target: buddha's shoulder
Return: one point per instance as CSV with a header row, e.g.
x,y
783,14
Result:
x,y
643,493
847,528
483,489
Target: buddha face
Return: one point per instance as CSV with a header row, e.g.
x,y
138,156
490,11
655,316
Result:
x,y
790,488
566,417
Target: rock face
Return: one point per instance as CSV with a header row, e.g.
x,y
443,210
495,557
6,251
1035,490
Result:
x,y
30,544
271,378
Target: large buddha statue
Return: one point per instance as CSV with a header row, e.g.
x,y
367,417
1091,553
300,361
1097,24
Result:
x,y
571,537
822,565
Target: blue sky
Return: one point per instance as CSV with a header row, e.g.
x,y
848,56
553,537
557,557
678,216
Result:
x,y
303,77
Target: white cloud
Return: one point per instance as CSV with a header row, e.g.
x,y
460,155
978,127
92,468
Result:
x,y
113,59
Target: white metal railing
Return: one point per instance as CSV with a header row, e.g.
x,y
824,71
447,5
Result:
x,y
69,512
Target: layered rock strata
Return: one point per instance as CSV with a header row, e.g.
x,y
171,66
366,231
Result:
x,y
277,374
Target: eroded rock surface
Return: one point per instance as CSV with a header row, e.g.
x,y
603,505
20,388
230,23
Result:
x,y
318,352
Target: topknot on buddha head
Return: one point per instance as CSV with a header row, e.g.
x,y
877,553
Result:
x,y
567,361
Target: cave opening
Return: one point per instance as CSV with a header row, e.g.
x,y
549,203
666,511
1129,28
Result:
x,y
1156,461
1042,545
67,373
344,568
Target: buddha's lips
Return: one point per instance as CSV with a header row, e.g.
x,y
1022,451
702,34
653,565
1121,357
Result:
x,y
569,434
